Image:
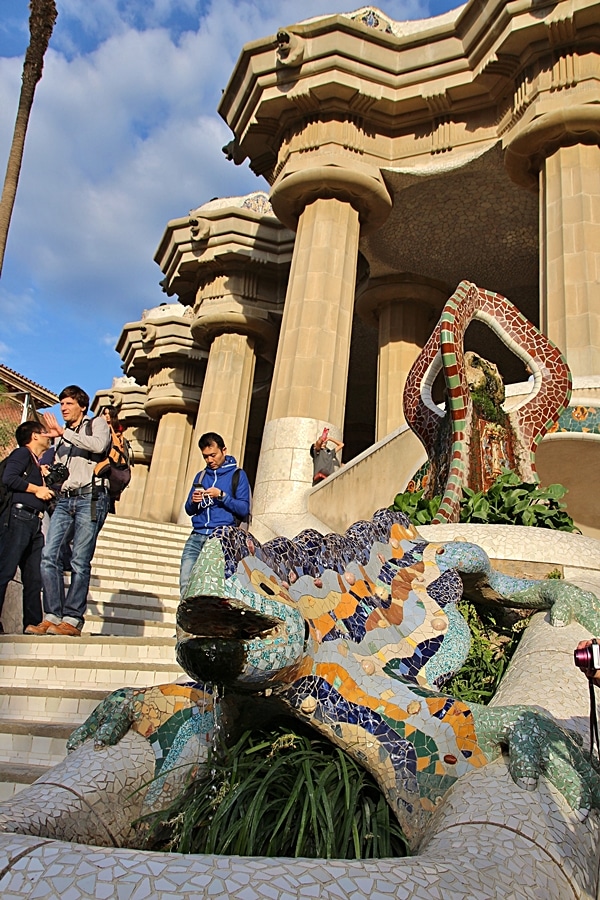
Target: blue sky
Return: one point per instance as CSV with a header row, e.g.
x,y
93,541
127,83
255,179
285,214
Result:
x,y
124,136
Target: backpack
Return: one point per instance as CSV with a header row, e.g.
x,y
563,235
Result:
x,y
5,492
244,523
116,465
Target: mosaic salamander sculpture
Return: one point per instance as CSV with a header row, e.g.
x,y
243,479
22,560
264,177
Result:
x,y
356,635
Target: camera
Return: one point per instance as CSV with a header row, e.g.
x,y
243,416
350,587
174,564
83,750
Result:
x,y
57,473
587,658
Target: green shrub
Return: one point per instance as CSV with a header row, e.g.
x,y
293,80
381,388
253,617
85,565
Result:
x,y
418,510
495,635
509,501
281,793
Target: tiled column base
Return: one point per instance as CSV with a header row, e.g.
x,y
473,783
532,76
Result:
x,y
284,478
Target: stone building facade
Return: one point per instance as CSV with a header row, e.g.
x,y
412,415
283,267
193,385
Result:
x,y
400,159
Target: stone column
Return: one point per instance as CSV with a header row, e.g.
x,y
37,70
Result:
x,y
570,254
129,397
228,260
558,153
174,369
329,205
226,394
165,488
405,309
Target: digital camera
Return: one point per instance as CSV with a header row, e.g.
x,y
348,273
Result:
x,y
57,474
587,658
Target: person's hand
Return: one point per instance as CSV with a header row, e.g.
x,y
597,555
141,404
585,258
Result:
x,y
594,674
43,493
52,426
197,495
213,492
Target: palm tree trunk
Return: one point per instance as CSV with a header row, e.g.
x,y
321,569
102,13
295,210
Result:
x,y
42,17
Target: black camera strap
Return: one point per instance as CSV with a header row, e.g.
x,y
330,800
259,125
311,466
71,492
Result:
x,y
593,721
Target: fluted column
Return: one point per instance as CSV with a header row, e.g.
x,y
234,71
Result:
x,y
570,254
559,153
329,205
165,487
405,309
225,400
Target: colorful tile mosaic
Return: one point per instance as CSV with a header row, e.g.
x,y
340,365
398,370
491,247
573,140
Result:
x,y
446,435
355,634
383,634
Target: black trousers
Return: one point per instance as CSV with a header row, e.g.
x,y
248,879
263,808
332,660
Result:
x,y
21,546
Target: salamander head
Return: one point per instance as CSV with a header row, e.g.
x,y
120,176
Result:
x,y
462,556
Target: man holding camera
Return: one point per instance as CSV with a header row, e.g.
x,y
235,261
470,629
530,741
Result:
x,y
325,460
21,538
220,495
80,512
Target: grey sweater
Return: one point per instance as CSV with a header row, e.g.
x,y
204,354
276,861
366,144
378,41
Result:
x,y
74,448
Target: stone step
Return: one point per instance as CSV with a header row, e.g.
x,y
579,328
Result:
x,y
145,650
143,601
49,685
149,559
33,743
150,532
83,674
121,626
17,775
49,704
137,589
111,606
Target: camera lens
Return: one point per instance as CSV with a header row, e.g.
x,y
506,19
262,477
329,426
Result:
x,y
583,658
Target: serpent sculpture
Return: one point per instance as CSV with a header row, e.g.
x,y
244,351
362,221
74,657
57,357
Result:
x,y
460,441
356,635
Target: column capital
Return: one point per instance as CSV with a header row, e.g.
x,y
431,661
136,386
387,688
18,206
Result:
x,y
362,187
402,288
528,146
209,324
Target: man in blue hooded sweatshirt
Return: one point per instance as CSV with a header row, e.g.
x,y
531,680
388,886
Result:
x,y
217,497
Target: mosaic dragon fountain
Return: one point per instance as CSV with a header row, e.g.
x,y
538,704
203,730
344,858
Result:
x,y
356,635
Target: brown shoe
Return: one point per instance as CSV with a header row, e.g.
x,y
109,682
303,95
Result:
x,y
42,628
64,629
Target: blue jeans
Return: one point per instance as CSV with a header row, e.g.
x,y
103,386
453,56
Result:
x,y
72,518
191,552
21,545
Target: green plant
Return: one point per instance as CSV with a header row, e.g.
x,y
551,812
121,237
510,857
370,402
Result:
x,y
413,505
509,501
555,573
281,793
495,635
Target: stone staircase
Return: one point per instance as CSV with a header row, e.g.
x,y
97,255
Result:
x,y
49,685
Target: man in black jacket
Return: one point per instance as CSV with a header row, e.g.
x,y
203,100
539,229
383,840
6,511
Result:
x,y
21,538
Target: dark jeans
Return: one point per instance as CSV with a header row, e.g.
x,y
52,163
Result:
x,y
72,519
21,546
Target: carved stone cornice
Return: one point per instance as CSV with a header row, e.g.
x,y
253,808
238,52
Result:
x,y
218,237
450,76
